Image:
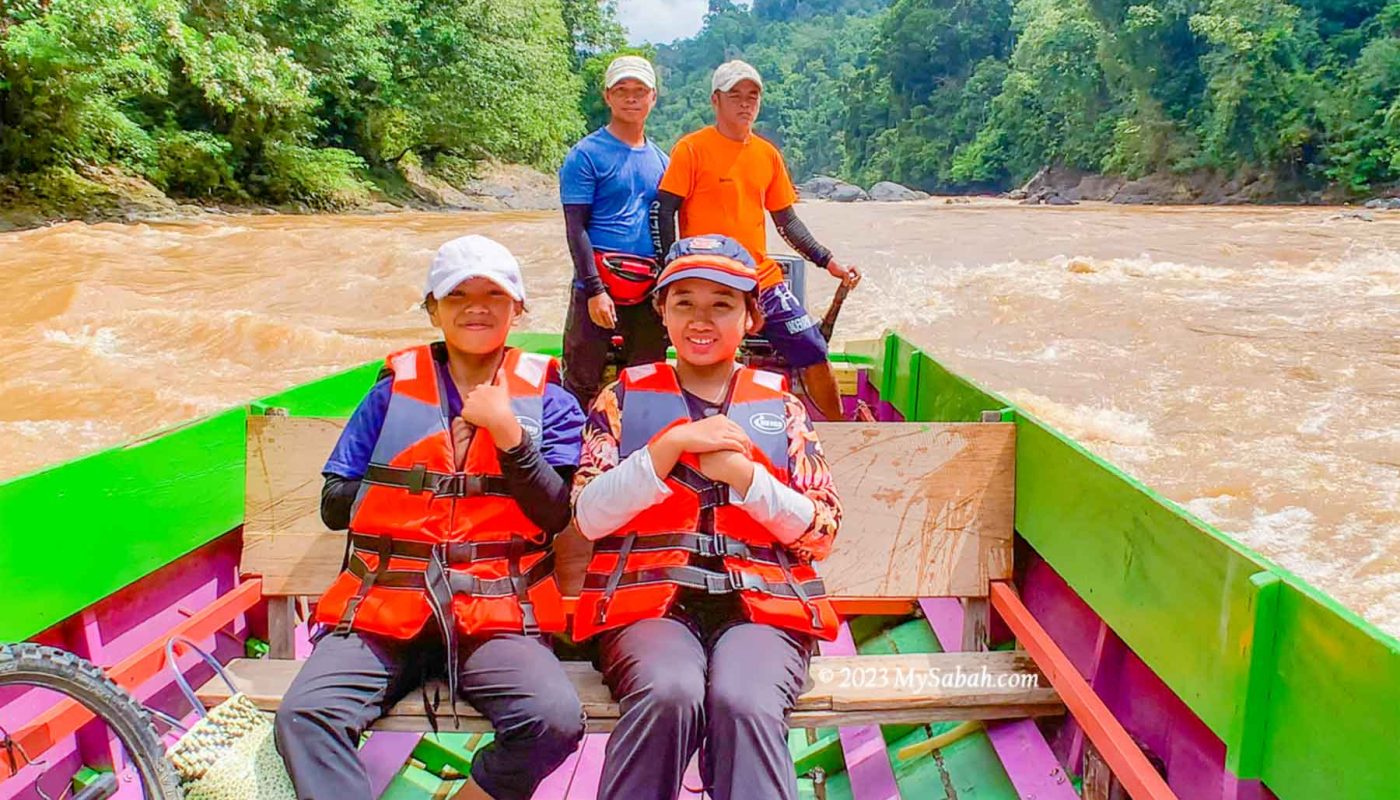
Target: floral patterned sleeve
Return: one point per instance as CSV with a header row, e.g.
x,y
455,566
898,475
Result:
x,y
807,468
809,474
601,432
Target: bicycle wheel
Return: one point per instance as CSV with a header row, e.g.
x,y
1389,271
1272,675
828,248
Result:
x,y
29,664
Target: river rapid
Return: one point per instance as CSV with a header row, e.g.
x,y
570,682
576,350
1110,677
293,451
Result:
x,y
1242,361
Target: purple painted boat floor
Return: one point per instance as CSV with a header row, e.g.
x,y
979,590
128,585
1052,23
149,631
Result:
x,y
1027,758
867,760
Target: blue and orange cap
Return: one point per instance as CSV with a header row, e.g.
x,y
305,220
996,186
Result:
x,y
713,258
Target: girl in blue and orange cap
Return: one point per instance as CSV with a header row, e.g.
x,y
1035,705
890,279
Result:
x,y
707,497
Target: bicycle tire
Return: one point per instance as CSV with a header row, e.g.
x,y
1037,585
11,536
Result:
x,y
30,664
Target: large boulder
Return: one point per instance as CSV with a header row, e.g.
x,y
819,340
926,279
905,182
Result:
x,y
819,187
1384,204
848,193
890,192
435,191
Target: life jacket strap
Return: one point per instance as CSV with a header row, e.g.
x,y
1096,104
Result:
x,y
455,553
785,562
609,583
712,494
704,545
420,479
457,582
383,545
708,581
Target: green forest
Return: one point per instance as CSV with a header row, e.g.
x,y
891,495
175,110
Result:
x,y
324,102
958,95
288,101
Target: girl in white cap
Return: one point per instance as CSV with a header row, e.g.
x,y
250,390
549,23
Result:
x,y
452,477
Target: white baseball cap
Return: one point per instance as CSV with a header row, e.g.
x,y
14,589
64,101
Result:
x,y
731,72
624,67
474,257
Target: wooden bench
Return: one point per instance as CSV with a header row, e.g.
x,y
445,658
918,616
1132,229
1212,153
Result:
x,y
928,512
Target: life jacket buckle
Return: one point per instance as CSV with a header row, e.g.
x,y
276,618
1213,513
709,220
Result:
x,y
720,546
714,495
417,479
740,580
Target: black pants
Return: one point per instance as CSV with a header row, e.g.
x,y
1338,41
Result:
x,y
586,345
515,681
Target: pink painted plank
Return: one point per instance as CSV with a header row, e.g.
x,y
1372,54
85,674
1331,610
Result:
x,y
945,616
589,774
384,755
1029,762
691,787
556,786
867,761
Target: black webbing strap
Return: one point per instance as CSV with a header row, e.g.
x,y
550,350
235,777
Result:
x,y
457,582
609,585
701,544
712,494
785,562
705,580
456,553
528,624
367,581
420,479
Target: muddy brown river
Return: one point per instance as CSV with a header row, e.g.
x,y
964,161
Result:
x,y
1243,361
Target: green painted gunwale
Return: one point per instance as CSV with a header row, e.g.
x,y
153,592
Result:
x,y
1323,685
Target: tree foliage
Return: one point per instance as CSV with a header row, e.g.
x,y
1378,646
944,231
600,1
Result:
x,y
960,94
290,100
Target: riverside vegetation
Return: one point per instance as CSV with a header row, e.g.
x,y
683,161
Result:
x,y
333,104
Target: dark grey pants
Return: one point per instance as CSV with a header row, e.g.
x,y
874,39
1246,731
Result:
x,y
683,686
350,681
586,344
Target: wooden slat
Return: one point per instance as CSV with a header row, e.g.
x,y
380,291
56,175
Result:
x,y
928,507
846,690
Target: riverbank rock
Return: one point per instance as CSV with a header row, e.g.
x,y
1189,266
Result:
x,y
1067,183
847,193
1384,204
891,192
819,187
514,187
1048,197
435,191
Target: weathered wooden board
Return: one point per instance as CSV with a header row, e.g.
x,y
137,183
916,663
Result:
x,y
928,508
283,538
845,690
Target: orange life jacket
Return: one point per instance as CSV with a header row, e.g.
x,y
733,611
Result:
x,y
637,573
429,540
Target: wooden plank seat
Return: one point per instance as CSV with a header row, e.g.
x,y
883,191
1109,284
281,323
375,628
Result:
x,y
928,512
846,690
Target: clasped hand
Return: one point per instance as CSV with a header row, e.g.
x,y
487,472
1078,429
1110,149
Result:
x,y
721,446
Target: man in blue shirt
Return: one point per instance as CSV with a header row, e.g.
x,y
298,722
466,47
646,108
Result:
x,y
607,186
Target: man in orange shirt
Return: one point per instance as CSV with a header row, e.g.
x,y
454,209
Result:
x,y
722,178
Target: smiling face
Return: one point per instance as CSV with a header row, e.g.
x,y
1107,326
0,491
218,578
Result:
x,y
630,101
707,321
737,108
476,316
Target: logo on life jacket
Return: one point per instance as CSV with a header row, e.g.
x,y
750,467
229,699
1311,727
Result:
x,y
767,422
